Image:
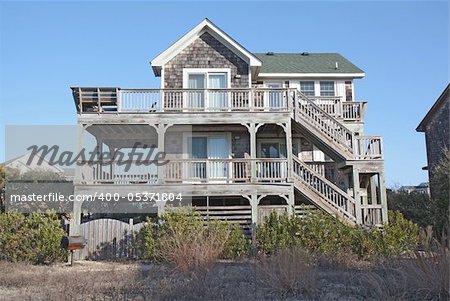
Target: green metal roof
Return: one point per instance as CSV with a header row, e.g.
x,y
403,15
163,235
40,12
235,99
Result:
x,y
305,63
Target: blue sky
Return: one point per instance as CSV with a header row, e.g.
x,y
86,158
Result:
x,y
46,47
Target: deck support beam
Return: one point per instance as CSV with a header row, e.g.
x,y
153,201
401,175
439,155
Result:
x,y
75,221
288,133
383,196
357,195
161,129
253,130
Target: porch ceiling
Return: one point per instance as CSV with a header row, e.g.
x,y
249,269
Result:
x,y
124,135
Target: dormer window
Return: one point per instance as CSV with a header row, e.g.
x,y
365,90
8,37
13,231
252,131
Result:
x,y
327,88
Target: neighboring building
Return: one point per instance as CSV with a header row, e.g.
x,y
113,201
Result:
x,y
421,188
37,163
245,133
435,125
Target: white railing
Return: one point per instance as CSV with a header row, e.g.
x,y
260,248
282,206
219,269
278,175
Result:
x,y
116,100
139,101
184,170
328,170
333,195
212,100
332,105
349,111
229,170
372,215
271,169
322,121
368,147
353,110
110,172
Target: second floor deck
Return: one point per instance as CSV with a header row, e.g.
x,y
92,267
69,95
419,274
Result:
x,y
147,101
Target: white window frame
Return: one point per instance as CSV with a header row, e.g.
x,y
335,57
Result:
x,y
334,88
186,154
314,86
204,134
206,72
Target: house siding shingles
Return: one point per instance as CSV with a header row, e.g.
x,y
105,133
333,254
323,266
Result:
x,y
437,135
206,52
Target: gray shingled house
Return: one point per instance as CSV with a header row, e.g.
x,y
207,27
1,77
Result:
x,y
435,125
244,133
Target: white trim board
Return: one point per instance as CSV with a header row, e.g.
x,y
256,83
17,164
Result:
x,y
311,75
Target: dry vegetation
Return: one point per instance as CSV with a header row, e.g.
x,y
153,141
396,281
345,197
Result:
x,y
288,275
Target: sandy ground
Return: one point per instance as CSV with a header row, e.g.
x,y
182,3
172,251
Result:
x,y
89,280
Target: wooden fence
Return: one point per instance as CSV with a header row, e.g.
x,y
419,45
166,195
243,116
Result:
x,y
108,239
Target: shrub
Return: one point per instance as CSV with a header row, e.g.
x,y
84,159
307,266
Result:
x,y
322,234
399,236
288,272
34,238
237,245
182,239
277,232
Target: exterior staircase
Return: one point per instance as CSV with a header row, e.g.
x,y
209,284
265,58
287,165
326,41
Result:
x,y
323,192
323,129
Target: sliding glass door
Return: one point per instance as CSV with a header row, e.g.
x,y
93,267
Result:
x,y
217,99
275,96
196,96
209,154
207,90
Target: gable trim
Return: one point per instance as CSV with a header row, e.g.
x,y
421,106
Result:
x,y
205,26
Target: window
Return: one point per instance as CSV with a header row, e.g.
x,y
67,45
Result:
x,y
327,88
307,88
348,91
199,79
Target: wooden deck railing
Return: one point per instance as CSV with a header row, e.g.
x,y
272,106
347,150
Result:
x,y
349,111
368,147
372,215
185,171
307,110
116,100
328,170
323,114
329,192
353,110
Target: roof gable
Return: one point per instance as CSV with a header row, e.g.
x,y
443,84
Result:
x,y
205,26
436,106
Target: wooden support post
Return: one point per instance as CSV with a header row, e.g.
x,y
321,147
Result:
x,y
253,199
254,204
253,129
75,221
288,134
112,155
383,196
98,174
161,207
161,131
356,193
373,191
291,203
78,167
